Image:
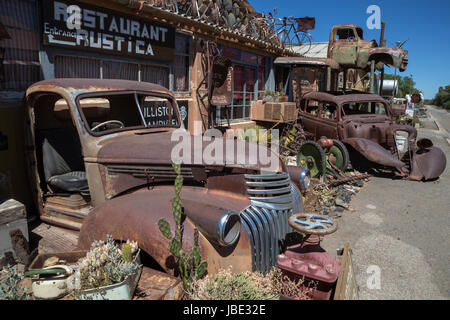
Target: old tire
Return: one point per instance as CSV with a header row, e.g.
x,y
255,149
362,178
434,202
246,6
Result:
x,y
312,156
341,155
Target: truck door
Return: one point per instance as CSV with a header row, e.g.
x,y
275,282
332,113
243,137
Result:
x,y
345,46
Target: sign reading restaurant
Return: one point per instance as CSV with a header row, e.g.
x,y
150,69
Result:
x,y
76,25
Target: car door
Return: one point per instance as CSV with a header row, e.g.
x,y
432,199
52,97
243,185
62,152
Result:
x,y
328,119
309,116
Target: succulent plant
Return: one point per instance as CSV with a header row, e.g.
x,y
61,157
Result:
x,y
106,263
10,288
189,265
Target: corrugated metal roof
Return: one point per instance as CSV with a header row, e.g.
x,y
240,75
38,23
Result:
x,y
316,50
306,61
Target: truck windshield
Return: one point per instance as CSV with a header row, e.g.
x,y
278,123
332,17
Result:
x,y
126,111
364,108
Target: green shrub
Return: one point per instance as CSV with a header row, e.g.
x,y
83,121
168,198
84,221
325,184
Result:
x,y
226,285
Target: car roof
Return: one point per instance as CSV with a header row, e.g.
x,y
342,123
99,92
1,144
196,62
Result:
x,y
340,97
82,85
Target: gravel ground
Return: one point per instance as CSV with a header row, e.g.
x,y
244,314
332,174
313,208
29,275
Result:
x,y
402,227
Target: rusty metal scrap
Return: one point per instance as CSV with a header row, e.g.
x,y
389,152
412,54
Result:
x,y
218,79
337,182
234,15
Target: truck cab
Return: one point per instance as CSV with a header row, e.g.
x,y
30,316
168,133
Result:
x,y
99,166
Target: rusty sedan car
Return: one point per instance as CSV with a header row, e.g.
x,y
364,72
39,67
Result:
x,y
98,165
364,125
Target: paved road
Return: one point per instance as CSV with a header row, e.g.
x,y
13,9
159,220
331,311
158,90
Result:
x,y
442,117
403,228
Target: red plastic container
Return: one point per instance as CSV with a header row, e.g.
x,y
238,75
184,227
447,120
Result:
x,y
315,265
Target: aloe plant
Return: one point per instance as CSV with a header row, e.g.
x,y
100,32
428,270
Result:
x,y
190,265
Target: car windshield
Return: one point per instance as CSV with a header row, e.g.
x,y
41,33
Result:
x,y
364,108
125,111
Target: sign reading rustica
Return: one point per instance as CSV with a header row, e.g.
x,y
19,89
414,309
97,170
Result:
x,y
80,26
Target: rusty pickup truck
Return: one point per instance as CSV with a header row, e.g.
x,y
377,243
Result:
x,y
348,47
98,165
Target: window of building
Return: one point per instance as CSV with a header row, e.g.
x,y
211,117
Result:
x,y
249,76
181,66
80,67
77,67
83,67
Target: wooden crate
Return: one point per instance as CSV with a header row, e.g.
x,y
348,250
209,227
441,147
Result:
x,y
257,110
274,111
289,111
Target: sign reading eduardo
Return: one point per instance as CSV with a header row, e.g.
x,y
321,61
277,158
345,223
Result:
x,y
76,25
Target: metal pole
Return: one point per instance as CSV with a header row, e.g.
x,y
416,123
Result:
x,y
345,80
328,78
395,84
381,81
372,75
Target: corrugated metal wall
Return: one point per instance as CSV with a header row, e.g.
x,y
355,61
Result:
x,y
81,67
76,67
20,65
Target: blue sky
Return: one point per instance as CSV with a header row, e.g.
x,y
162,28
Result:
x,y
425,22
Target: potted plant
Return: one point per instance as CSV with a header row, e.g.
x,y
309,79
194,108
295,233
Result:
x,y
282,97
270,96
108,272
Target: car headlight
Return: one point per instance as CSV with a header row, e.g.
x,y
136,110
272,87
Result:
x,y
229,228
305,179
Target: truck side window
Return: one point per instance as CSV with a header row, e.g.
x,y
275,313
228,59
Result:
x,y
345,34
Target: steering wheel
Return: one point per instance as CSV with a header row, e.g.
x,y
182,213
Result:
x,y
108,122
312,223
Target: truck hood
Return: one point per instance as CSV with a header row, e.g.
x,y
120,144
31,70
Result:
x,y
156,148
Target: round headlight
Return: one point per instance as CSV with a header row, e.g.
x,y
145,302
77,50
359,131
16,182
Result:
x,y
229,228
305,179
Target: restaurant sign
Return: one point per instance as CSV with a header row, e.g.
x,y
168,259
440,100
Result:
x,y
76,25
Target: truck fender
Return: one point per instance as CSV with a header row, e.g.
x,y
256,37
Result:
x,y
135,216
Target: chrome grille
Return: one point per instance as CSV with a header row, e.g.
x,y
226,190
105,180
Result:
x,y
161,172
266,219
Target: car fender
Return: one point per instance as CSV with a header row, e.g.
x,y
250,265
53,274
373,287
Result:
x,y
135,216
428,164
372,151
